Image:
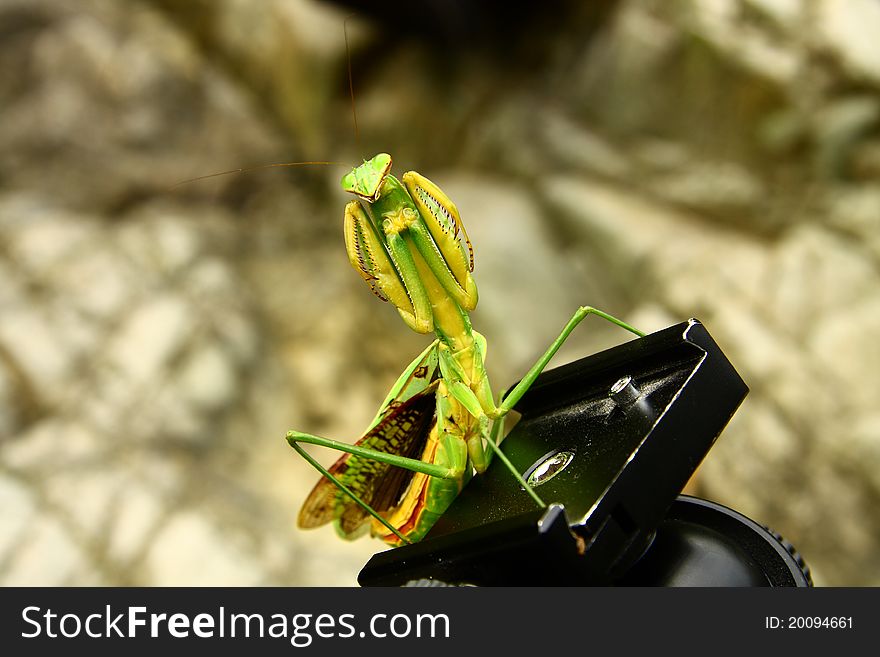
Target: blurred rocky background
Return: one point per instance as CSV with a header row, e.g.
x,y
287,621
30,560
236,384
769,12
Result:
x,y
659,160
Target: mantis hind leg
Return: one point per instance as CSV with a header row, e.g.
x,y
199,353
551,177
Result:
x,y
580,314
294,438
345,489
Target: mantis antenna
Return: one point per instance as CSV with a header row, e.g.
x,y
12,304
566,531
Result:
x,y
255,168
357,132
354,117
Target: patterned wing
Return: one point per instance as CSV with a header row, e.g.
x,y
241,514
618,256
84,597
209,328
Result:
x,y
404,431
422,373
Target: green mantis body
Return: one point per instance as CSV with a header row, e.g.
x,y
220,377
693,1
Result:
x,y
439,422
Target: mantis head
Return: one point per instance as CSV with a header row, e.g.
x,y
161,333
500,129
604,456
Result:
x,y
366,180
427,274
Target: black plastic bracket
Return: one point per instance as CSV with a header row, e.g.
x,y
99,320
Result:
x,y
609,441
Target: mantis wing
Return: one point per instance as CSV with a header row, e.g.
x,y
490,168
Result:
x,y
404,430
402,427
419,375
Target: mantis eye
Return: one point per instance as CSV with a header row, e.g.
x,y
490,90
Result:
x,y
349,182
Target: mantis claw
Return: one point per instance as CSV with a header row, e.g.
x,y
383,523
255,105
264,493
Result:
x,y
444,223
368,253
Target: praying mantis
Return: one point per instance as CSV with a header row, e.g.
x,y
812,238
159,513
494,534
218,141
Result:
x,y
440,422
